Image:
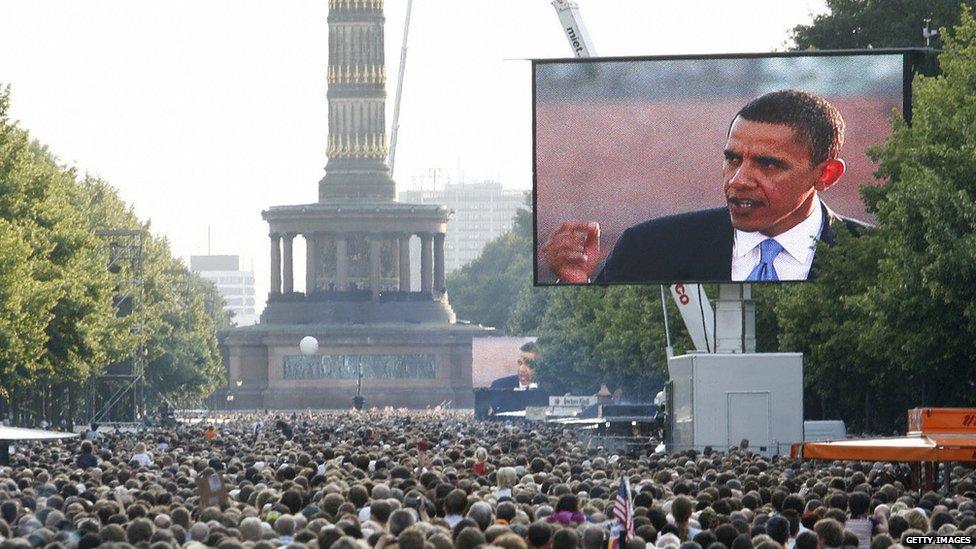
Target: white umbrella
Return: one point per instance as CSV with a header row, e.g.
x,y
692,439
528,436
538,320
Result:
x,y
16,433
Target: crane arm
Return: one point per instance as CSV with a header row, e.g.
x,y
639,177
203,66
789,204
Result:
x,y
693,304
579,38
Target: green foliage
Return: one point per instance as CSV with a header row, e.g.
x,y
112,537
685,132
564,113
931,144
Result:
x,y
850,24
891,324
58,322
486,290
591,335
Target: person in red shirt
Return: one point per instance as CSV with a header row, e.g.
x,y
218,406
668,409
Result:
x,y
480,466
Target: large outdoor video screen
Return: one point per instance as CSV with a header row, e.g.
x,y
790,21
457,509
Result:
x,y
705,169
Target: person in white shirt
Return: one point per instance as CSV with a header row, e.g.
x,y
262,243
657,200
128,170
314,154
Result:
x,y
782,151
140,455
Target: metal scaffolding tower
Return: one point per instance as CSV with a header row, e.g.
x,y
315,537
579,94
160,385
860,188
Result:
x,y
122,382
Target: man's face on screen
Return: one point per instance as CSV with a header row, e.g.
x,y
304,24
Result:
x,y
526,372
769,180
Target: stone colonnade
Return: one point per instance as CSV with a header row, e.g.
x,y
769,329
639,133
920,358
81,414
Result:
x,y
432,276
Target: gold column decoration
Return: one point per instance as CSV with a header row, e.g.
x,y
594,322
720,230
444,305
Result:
x,y
375,148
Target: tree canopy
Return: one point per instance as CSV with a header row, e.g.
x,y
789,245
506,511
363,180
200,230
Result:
x,y
891,324
59,323
487,290
852,24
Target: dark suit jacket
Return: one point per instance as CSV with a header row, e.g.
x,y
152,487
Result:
x,y
688,247
507,382
512,382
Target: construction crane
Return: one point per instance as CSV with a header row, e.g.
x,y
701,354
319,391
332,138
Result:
x,y
399,90
579,39
693,304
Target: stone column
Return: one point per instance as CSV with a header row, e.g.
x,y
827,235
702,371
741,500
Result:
x,y
440,284
288,271
342,263
275,264
405,262
311,260
375,240
426,263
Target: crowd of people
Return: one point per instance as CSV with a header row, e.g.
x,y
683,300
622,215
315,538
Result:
x,y
443,480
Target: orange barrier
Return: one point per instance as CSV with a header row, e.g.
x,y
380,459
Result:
x,y
914,448
942,420
935,435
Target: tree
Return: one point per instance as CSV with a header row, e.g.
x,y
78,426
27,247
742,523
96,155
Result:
x,y
851,24
891,323
614,335
486,290
58,320
928,208
79,322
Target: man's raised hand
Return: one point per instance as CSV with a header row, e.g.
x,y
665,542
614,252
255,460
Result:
x,y
573,250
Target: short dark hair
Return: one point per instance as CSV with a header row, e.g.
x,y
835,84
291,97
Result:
x,y
858,503
529,347
565,538
817,123
806,539
455,502
830,531
539,533
778,528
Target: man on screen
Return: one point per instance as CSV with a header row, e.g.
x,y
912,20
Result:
x,y
783,149
525,378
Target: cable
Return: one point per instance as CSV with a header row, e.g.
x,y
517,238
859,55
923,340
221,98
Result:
x,y
701,308
667,329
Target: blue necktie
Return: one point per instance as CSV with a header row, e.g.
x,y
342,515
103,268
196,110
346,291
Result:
x,y
768,250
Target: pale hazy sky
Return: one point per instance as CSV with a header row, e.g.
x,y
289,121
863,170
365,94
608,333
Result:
x,y
205,112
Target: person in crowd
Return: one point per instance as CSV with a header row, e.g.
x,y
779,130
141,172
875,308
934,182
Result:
x,y
567,512
480,466
859,521
86,459
505,478
681,509
345,480
140,456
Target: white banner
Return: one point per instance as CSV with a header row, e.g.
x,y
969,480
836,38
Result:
x,y
697,314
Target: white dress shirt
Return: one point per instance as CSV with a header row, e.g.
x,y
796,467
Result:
x,y
798,243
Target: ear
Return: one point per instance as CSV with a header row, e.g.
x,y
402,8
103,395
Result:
x,y
829,174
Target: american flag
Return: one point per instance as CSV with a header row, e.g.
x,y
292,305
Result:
x,y
623,509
